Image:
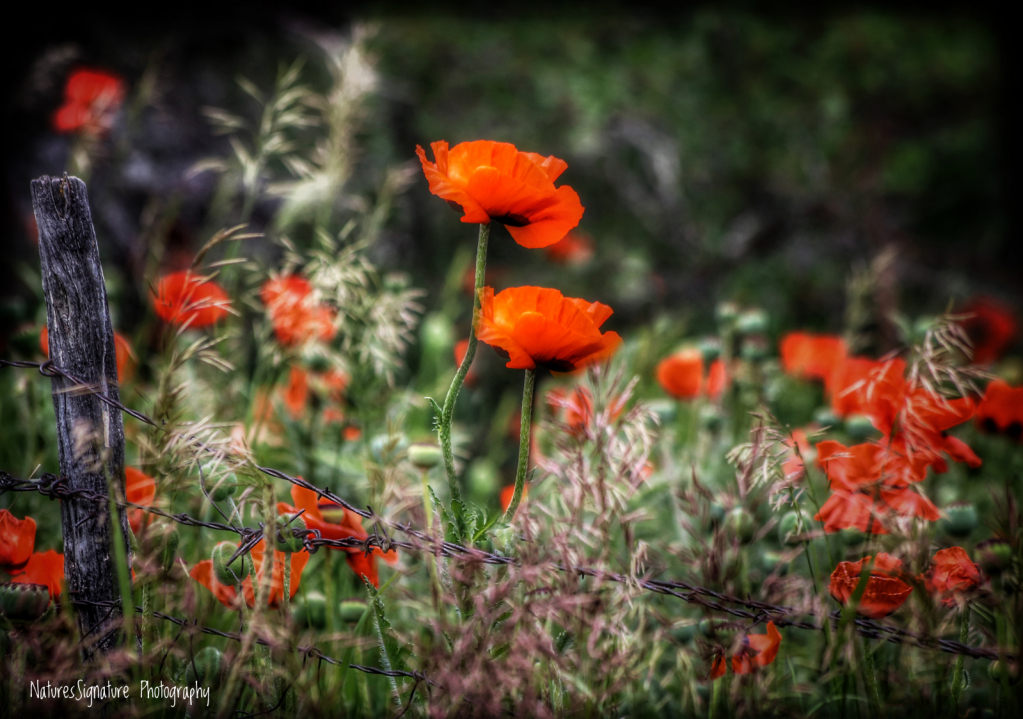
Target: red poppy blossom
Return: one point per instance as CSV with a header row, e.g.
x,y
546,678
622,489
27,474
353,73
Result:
x,y
91,99
885,591
811,356
952,572
296,317
681,375
351,433
843,383
347,525
182,298
17,540
540,327
793,466
124,357
758,650
297,393
992,328
1001,410
336,382
718,667
203,573
461,347
578,407
494,181
575,248
140,489
45,568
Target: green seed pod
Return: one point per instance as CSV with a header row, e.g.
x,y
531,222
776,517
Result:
x,y
351,610
286,539
437,334
751,322
997,669
230,575
852,536
825,417
311,610
710,348
424,455
788,529
710,417
741,525
859,426
715,515
771,561
994,556
683,631
960,519
205,668
385,448
165,540
484,478
23,602
224,489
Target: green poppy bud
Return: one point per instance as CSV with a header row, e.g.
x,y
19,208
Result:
x,y
771,561
286,539
684,630
386,447
741,525
162,540
998,669
23,602
437,334
205,668
224,488
789,529
994,556
960,519
715,515
751,322
859,426
351,610
484,478
311,610
424,455
231,575
825,417
710,348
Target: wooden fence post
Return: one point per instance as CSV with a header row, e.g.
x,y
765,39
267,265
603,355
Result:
x,y
90,434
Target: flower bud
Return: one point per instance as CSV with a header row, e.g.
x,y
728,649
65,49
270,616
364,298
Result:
x,y
715,515
484,478
437,334
998,669
726,312
710,348
311,610
825,417
231,575
851,536
684,630
741,525
960,519
771,561
386,447
286,539
161,542
424,455
23,602
859,426
351,610
789,529
994,556
204,668
224,488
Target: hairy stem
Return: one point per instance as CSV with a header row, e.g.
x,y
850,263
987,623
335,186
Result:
x,y
444,428
525,434
957,675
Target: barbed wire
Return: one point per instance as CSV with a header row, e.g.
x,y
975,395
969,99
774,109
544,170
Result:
x,y
755,611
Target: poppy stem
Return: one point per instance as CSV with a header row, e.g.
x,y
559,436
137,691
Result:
x,y
447,412
957,675
525,435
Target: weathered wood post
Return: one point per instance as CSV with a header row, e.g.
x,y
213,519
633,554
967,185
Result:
x,y
90,434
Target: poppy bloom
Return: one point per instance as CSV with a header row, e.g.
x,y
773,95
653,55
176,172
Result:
x,y
461,347
139,489
843,383
91,99
508,492
297,393
681,375
952,572
579,409
885,591
575,248
336,382
351,433
992,329
1001,410
494,181
758,650
228,596
296,317
17,540
122,353
793,466
333,521
539,327
182,298
811,356
45,568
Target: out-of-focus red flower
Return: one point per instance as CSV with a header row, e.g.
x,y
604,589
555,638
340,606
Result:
x,y
793,466
992,328
681,374
540,327
296,317
850,510
336,382
758,650
508,492
297,393
843,383
1001,410
45,568
333,521
717,379
140,489
461,347
951,573
17,540
885,591
183,298
91,100
811,356
203,573
578,406
718,667
122,353
575,248
494,181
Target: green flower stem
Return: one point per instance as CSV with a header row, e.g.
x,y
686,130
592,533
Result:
x,y
525,433
957,675
431,559
873,694
444,428
286,597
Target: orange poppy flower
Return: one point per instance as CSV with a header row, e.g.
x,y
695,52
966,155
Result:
x,y
461,347
45,568
17,540
139,489
540,327
850,510
351,433
579,409
793,466
843,383
297,393
494,181
508,492
122,353
182,298
811,356
1001,410
952,572
336,381
758,650
348,525
91,99
575,248
295,316
718,667
681,374
885,591
203,573
992,328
